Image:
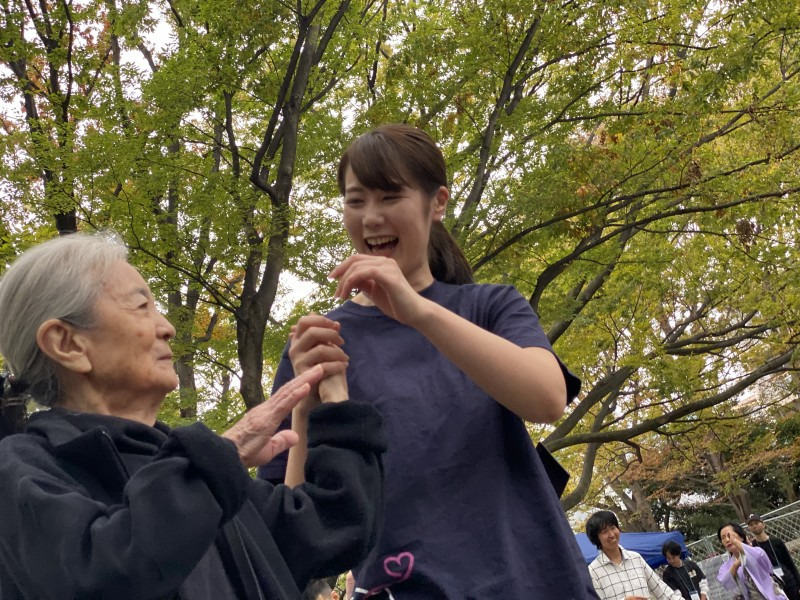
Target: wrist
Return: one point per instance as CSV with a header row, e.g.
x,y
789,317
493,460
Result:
x,y
333,389
423,314
300,416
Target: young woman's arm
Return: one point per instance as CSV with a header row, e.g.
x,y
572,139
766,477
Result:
x,y
527,381
314,340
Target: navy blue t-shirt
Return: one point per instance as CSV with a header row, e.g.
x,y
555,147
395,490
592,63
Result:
x,y
470,511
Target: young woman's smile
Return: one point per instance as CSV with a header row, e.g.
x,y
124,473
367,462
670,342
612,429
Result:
x,y
394,224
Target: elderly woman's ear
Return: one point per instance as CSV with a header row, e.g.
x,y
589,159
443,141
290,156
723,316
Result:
x,y
64,345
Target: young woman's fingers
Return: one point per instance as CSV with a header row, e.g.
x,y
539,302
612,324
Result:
x,y
344,265
314,320
359,277
318,355
334,367
312,337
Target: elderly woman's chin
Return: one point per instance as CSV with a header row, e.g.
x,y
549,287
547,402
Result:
x,y
170,379
163,380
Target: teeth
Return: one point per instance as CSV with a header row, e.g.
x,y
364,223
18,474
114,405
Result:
x,y
384,239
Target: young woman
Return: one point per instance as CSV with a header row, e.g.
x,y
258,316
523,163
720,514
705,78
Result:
x,y
747,572
454,368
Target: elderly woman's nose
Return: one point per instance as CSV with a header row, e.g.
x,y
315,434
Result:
x,y
166,329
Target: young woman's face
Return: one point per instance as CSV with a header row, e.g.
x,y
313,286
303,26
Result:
x,y
394,224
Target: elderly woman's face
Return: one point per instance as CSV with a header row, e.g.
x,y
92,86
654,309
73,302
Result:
x,y
128,348
729,539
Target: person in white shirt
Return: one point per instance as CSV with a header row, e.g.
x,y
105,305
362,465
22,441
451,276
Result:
x,y
619,574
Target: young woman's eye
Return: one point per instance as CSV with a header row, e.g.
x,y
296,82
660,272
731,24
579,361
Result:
x,y
352,201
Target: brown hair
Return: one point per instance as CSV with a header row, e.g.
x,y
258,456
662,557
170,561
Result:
x,y
395,155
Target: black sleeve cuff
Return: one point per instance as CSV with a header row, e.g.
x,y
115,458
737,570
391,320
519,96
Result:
x,y
218,462
572,381
347,424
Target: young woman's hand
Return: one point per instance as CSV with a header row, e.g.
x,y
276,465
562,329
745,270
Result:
x,y
381,280
313,341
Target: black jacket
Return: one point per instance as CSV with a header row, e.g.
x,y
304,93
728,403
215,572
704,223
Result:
x,y
779,557
93,506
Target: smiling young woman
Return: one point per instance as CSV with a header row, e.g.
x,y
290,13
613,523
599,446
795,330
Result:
x,y
454,368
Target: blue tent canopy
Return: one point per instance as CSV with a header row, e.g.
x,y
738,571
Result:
x,y
647,544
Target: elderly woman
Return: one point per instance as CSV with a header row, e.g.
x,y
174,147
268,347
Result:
x,y
99,500
747,572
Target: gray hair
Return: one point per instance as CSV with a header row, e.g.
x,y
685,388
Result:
x,y
58,279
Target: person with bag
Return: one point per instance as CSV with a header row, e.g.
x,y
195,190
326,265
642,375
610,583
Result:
x,y
100,500
747,572
683,575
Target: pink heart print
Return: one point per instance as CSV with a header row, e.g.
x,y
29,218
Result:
x,y
399,567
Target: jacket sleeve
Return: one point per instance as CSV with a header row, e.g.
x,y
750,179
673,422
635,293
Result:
x,y
328,524
57,541
725,577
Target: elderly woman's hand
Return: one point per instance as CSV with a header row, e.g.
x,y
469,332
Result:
x,y
254,434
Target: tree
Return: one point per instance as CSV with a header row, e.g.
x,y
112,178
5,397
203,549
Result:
x,y
594,145
632,169
196,164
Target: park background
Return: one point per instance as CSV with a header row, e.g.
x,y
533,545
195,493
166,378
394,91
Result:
x,y
632,167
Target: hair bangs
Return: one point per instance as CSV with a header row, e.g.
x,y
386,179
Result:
x,y
376,164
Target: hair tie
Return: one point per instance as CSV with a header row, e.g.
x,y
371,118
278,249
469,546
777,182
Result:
x,y
11,386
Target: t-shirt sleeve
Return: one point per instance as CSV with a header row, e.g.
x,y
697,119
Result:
x,y
510,316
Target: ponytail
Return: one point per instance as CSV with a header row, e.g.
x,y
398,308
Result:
x,y
446,259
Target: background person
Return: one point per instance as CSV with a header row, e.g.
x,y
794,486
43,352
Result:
x,y
686,576
782,564
99,500
319,589
454,368
747,571
618,573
